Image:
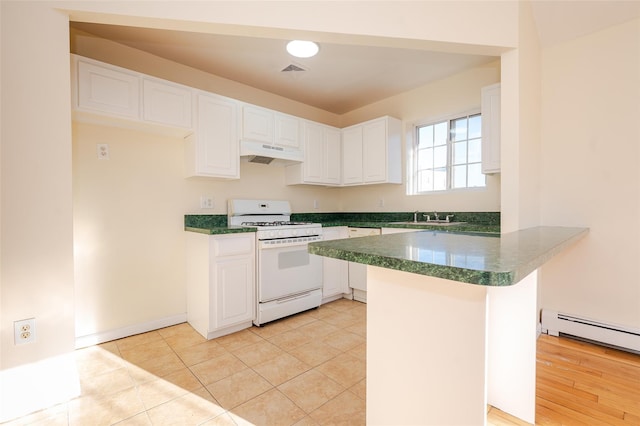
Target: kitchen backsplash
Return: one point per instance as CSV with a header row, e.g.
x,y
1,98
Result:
x,y
484,218
480,218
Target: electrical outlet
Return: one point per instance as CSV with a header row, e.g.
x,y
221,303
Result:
x,y
24,331
381,202
206,202
315,204
102,151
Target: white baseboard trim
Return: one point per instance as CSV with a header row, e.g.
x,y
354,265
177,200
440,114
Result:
x,y
106,336
331,298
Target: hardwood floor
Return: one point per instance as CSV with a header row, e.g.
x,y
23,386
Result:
x,y
580,383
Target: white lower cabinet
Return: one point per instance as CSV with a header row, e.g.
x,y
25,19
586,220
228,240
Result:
x,y
358,271
220,283
335,282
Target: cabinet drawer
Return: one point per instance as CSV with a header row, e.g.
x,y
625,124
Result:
x,y
232,245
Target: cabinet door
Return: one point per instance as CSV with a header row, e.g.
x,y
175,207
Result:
x,y
234,292
352,155
166,103
313,153
257,124
288,129
216,148
335,271
332,156
108,90
374,152
491,129
357,276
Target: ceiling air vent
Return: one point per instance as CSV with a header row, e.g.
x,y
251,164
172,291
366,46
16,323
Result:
x,y
293,67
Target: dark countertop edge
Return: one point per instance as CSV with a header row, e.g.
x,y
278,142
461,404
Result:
x,y
467,228
534,264
219,230
453,273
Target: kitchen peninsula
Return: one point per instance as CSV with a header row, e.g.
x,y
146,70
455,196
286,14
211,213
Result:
x,y
451,321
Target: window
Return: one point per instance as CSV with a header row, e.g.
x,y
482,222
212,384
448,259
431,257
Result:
x,y
447,155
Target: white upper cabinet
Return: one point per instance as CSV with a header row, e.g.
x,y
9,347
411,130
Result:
x,y
166,103
257,124
271,127
212,151
106,89
332,156
107,93
288,130
322,157
372,152
491,129
352,155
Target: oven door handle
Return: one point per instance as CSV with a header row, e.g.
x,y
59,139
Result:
x,y
293,242
294,297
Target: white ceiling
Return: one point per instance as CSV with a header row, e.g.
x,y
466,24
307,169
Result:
x,y
344,77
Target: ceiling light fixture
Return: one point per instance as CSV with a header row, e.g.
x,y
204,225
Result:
x,y
302,48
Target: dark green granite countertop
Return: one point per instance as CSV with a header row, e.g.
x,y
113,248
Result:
x,y
495,260
211,224
467,228
217,230
475,222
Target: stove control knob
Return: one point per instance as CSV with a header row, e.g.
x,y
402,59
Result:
x,y
280,233
294,232
272,234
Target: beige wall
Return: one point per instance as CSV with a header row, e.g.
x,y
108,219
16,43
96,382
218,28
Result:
x,y
520,136
37,250
590,175
129,223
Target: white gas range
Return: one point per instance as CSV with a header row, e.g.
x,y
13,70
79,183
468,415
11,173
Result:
x,y
289,278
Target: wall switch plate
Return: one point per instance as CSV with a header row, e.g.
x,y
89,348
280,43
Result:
x,y
24,331
315,204
381,202
206,202
102,151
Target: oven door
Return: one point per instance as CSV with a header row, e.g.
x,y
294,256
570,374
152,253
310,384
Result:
x,y
287,270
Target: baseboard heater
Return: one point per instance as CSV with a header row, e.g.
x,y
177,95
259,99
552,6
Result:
x,y
621,337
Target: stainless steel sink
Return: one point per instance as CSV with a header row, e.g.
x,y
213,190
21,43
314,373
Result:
x,y
430,223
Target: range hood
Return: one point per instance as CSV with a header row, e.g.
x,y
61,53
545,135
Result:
x,y
264,153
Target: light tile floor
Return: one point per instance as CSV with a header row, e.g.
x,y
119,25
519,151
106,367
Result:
x,y
308,369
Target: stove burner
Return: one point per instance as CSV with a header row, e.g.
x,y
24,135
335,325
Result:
x,y
276,223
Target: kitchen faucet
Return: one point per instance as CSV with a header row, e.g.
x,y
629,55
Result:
x,y
415,216
436,215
